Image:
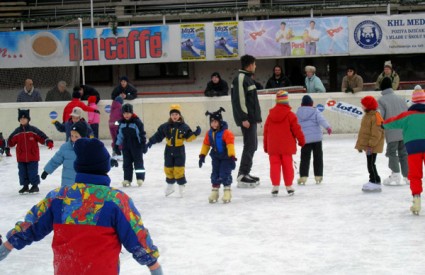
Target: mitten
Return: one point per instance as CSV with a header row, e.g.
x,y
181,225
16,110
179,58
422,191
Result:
x,y
49,143
157,271
7,151
369,151
233,162
301,144
54,121
3,252
329,130
96,111
197,131
113,162
201,160
44,175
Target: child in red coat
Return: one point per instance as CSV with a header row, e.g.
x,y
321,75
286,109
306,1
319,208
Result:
x,y
280,134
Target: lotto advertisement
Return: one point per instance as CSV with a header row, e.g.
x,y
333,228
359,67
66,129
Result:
x,y
226,39
192,41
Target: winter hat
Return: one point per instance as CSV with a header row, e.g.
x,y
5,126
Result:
x,y
215,74
418,96
388,64
216,115
386,83
369,102
175,108
307,101
418,87
81,128
127,108
123,78
77,111
24,114
282,97
76,94
119,99
92,157
92,99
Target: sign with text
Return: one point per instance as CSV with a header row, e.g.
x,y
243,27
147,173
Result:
x,y
226,39
193,41
344,108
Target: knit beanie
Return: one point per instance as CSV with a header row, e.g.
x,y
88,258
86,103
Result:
x,y
418,87
307,101
119,99
92,157
24,114
369,102
127,108
418,96
386,83
76,94
282,97
92,99
216,115
81,128
388,64
175,108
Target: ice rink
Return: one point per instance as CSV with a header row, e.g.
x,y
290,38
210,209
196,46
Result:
x,y
332,228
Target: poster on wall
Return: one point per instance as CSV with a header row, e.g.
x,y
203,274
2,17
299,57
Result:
x,y
387,34
192,41
226,39
296,37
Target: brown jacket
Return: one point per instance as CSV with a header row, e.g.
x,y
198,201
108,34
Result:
x,y
370,133
355,83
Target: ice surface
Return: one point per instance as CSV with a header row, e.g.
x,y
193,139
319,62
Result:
x,y
332,228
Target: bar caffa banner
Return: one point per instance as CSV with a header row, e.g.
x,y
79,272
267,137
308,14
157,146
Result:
x,y
226,39
344,108
193,41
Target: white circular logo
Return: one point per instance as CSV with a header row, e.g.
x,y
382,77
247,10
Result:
x,y
368,34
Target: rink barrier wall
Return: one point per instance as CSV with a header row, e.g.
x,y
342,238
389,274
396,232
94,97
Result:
x,y
155,111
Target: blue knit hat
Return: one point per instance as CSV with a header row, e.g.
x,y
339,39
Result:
x,y
92,157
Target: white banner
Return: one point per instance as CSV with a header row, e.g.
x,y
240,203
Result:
x,y
344,108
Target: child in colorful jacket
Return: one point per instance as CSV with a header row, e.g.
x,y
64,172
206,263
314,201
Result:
x,y
114,117
94,117
131,139
371,140
91,221
222,143
311,121
66,156
412,122
175,131
76,115
26,137
281,133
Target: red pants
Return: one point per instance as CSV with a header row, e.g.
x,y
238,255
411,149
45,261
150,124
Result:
x,y
284,163
415,175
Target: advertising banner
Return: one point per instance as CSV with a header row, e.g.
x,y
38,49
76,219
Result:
x,y
344,108
387,34
226,39
193,41
296,37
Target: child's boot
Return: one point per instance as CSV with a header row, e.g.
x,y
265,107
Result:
x,y
126,183
34,189
302,180
181,189
227,195
139,182
318,179
169,190
290,190
213,198
24,190
416,207
275,190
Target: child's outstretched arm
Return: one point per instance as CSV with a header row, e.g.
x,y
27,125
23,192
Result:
x,y
204,150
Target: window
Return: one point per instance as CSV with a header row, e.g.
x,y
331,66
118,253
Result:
x,y
98,74
162,71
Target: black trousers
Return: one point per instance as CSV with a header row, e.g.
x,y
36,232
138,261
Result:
x,y
250,144
316,148
371,168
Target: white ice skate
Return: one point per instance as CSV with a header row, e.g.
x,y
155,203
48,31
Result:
x,y
139,182
126,183
169,190
393,180
213,198
318,179
371,187
302,180
406,181
182,189
275,190
416,207
227,195
290,190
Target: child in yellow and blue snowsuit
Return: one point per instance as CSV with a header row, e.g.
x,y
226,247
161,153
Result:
x,y
222,143
175,131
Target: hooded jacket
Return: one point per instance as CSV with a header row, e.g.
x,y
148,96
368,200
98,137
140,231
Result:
x,y
64,156
370,133
391,105
310,120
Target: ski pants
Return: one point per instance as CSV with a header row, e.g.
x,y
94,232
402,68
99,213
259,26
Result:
x,y
416,162
222,171
130,157
397,157
28,173
250,144
174,165
316,148
284,164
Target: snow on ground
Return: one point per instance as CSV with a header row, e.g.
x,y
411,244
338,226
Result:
x,y
332,228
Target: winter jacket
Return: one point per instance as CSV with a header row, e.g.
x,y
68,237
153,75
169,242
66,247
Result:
x,y
90,221
131,134
314,85
175,134
310,120
90,91
25,138
221,142
391,105
355,83
116,113
274,82
64,156
244,98
219,89
55,95
94,118
370,133
130,91
412,122
66,127
33,96
75,102
280,131
395,80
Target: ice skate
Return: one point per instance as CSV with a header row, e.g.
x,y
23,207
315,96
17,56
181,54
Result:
x,y
393,180
227,195
34,189
213,198
318,179
302,180
416,207
169,190
126,183
290,190
257,179
182,189
275,190
371,187
140,182
24,190
246,182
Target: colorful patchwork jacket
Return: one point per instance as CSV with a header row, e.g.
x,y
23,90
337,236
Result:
x,y
90,221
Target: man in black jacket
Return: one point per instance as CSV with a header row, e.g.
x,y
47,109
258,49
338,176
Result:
x,y
86,91
247,113
278,79
217,86
125,89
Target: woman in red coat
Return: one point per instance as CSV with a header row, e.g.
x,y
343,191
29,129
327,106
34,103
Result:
x,y
280,134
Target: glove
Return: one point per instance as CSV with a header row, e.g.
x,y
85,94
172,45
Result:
x,y
197,131
360,151
201,160
369,151
329,130
113,162
157,271
149,144
233,162
301,144
54,121
349,90
49,144
7,151
3,252
44,175
96,111
233,158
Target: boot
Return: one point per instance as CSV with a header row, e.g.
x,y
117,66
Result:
x,y
290,190
246,182
393,179
126,183
139,182
227,195
302,180
34,189
213,198
257,179
169,190
318,179
24,190
182,189
7,151
416,207
275,190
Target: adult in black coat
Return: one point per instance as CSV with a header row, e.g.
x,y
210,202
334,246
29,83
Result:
x,y
125,89
217,86
278,79
86,91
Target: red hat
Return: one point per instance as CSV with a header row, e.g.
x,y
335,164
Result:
x,y
369,102
92,99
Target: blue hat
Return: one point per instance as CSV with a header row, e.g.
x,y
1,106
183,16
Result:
x,y
92,157
80,127
119,100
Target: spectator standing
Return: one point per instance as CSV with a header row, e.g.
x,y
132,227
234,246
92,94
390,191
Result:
x,y
217,86
313,84
125,89
278,79
58,93
352,82
29,93
388,72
